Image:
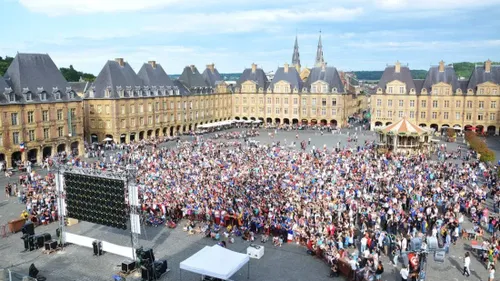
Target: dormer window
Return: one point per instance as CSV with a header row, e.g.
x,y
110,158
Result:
x,y
177,91
121,93
71,95
304,90
107,93
12,97
334,90
324,89
57,95
29,97
43,96
412,90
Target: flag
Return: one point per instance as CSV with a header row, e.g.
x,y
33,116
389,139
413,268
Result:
x,y
21,146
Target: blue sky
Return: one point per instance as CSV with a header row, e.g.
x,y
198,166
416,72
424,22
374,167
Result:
x,y
233,34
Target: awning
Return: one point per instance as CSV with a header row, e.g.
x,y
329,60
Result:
x,y
215,261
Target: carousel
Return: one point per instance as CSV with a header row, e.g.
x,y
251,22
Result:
x,y
404,136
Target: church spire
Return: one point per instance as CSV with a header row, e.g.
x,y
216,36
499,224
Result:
x,y
319,53
296,56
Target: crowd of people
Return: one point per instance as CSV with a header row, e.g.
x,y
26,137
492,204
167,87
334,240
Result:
x,y
343,203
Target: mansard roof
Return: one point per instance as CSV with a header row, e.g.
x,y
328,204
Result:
x,y
479,76
391,74
435,76
115,75
192,78
212,75
153,74
34,74
183,90
256,75
292,76
327,74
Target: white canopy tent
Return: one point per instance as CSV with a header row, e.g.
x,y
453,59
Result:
x,y
215,261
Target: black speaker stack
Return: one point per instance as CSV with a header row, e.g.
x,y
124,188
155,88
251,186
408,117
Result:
x,y
97,247
151,269
96,199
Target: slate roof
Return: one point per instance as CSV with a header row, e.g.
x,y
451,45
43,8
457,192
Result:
x,y
463,85
479,76
329,75
192,78
36,74
390,74
448,76
183,90
154,76
79,87
292,77
212,76
3,91
419,83
115,76
259,77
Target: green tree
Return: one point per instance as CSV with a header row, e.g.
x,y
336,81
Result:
x,y
4,64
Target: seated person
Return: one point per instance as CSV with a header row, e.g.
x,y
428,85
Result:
x,y
246,235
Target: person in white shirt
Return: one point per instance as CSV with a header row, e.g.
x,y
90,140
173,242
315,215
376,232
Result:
x,y
491,275
404,274
467,264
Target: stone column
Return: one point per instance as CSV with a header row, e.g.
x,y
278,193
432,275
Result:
x,y
8,161
39,155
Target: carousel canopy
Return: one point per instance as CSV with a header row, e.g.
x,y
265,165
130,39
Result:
x,y
405,128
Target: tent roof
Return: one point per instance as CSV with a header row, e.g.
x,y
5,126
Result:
x,y
215,262
404,126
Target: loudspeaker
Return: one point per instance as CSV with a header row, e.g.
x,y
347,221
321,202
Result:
x,y
128,266
47,245
28,228
148,254
147,273
416,244
97,247
53,245
160,267
33,271
432,243
40,239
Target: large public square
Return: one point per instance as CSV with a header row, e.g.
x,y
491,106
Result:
x,y
290,262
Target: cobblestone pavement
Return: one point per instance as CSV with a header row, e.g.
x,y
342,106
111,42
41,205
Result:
x,y
289,262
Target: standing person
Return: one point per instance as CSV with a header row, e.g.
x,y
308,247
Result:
x,y
467,264
404,274
379,271
491,273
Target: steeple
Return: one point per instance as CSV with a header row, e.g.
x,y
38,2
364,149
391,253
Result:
x,y
296,56
319,53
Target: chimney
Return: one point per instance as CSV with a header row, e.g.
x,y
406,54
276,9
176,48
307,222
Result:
x,y
397,67
441,66
254,67
192,67
211,67
286,67
152,63
120,61
487,66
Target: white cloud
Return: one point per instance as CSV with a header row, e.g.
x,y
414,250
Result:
x,y
412,5
423,45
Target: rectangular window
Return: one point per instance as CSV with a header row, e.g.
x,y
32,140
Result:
x,y
157,106
323,102
45,116
92,109
401,90
400,114
469,104
15,138
379,102
412,103
108,124
313,111
389,113
334,111
285,110
123,109
13,116
150,120
60,131
31,117
295,101
446,103
304,111
401,103
468,116
334,101
99,109
457,116
434,115
458,104
31,135
277,110
412,114
389,103
379,113
480,117
141,121
323,111
313,102
286,101
480,104
492,117
268,110
434,104
123,124
108,110
295,111
424,103
390,90
445,115
277,100
493,104
269,100
59,115
422,114
46,133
